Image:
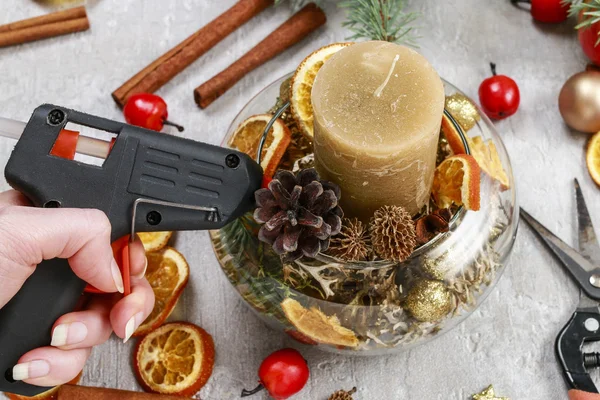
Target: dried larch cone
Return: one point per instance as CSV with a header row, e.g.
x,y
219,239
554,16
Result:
x,y
393,233
343,394
351,244
299,213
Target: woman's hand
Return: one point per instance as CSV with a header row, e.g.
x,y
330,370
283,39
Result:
x,y
29,235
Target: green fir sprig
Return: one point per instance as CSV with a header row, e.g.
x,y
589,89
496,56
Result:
x,y
589,10
374,19
380,20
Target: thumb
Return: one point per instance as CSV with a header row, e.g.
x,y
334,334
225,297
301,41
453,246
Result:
x,y
29,235
579,395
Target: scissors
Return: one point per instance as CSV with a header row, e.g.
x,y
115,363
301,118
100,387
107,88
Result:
x,y
584,325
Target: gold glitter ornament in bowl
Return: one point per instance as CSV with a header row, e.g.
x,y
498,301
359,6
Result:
x,y
428,300
463,110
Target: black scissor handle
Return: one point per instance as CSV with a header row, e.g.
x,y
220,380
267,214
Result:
x,y
582,327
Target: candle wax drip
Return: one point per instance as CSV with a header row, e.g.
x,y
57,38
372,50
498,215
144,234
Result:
x,y
387,78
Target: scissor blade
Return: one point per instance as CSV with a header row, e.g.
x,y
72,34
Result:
x,y
575,263
588,242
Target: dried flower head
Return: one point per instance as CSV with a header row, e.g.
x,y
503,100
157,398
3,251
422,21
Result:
x,y
393,233
299,213
351,244
343,394
430,225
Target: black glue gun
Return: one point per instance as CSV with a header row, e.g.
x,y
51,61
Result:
x,y
149,181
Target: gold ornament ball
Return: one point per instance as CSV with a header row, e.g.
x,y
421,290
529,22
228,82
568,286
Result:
x,y
428,300
579,101
463,110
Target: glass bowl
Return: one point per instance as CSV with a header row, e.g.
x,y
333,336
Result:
x,y
376,307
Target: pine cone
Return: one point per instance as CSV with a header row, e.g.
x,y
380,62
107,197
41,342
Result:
x,y
351,244
299,213
343,395
393,233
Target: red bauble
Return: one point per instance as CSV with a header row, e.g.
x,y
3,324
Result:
x,y
283,373
148,111
549,11
588,36
499,96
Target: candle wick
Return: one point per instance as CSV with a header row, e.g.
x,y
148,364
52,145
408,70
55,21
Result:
x,y
379,90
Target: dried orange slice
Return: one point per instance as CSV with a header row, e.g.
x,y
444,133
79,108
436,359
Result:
x,y
168,274
592,157
452,136
51,394
302,84
456,181
176,359
317,326
487,157
154,241
485,152
247,137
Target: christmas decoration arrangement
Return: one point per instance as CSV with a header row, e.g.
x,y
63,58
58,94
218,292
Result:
x,y
369,246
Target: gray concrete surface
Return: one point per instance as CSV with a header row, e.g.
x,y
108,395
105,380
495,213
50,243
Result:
x,y
508,341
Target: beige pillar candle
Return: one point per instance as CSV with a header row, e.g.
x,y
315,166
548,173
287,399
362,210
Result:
x,y
378,108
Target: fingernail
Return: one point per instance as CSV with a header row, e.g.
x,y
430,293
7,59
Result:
x,y
133,323
67,334
116,274
30,370
143,273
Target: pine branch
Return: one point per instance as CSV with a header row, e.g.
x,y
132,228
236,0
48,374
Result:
x,y
374,19
380,20
589,11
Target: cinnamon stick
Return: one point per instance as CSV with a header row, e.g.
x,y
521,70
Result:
x,y
70,392
20,36
289,33
177,59
72,13
46,26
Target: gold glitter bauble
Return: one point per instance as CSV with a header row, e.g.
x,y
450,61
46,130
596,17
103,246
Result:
x,y
488,394
428,300
463,110
579,101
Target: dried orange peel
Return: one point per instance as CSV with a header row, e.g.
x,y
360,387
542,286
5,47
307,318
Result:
x,y
175,359
592,157
457,181
247,137
302,83
168,273
485,152
317,326
154,241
